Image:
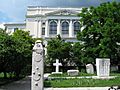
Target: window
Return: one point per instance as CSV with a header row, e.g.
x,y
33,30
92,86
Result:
x,y
53,27
65,28
15,29
43,23
43,31
76,27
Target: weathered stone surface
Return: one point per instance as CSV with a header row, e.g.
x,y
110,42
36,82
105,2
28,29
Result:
x,y
37,67
89,69
103,67
57,64
73,72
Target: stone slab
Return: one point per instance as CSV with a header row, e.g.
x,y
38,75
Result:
x,y
57,73
72,72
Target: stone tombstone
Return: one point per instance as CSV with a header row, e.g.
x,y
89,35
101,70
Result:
x,y
37,67
57,64
114,68
73,72
103,67
89,69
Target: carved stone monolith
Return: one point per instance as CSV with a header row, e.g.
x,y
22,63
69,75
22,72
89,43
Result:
x,y
37,67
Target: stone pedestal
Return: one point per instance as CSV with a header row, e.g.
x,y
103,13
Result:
x,y
37,67
103,67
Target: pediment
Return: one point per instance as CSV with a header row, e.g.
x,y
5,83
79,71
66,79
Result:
x,y
62,12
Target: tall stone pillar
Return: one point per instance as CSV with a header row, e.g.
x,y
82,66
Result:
x,y
37,67
59,28
40,29
71,32
35,29
46,29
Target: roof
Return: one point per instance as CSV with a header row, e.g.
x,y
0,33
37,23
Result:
x,y
15,23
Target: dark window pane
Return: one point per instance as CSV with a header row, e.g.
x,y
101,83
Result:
x,y
53,27
76,27
43,31
15,29
65,28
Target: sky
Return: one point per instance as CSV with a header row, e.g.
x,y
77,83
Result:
x,y
15,10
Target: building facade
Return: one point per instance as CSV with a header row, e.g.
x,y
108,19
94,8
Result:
x,y
44,22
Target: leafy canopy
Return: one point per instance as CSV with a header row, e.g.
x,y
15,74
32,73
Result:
x,y
101,33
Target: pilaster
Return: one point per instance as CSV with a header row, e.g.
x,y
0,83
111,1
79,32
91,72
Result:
x,y
46,29
71,31
59,28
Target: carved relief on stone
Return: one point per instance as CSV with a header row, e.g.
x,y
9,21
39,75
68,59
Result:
x,y
36,74
38,56
37,66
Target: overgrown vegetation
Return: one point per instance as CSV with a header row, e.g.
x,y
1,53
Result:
x,y
15,53
101,33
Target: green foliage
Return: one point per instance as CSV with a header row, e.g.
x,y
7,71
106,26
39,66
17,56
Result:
x,y
64,75
102,31
83,82
23,51
6,47
58,49
15,52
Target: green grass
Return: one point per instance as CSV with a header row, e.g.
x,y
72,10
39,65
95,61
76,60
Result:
x,y
82,82
65,75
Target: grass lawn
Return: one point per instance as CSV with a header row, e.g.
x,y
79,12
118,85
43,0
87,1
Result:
x,y
83,82
65,75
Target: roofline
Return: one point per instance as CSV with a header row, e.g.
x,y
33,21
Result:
x,y
46,7
15,23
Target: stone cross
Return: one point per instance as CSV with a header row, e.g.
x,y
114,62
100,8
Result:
x,y
57,64
103,67
37,67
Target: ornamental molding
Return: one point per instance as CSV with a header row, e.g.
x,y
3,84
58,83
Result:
x,y
62,12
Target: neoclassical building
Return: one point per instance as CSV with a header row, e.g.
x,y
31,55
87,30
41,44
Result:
x,y
44,22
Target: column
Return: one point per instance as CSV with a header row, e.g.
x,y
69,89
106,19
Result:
x,y
59,28
35,29
46,29
40,29
71,32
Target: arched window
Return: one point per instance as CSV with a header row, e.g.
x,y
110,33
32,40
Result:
x,y
76,27
65,27
53,27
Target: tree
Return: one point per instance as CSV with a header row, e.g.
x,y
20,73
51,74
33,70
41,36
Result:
x,y
58,49
6,47
15,52
101,34
22,51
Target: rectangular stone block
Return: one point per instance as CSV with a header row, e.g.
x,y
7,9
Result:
x,y
103,67
73,72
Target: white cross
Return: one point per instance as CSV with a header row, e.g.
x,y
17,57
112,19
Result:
x,y
57,64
